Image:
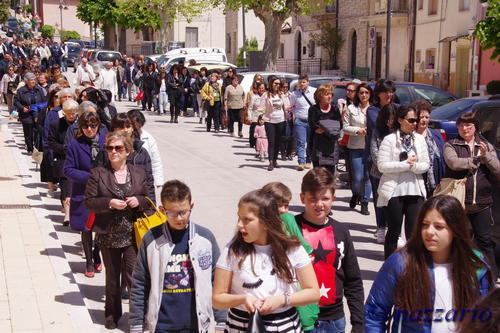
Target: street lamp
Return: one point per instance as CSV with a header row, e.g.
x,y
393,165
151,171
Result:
x,y
62,5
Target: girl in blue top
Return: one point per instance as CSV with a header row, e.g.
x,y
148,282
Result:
x,y
435,279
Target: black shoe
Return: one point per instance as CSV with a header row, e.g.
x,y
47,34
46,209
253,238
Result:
x,y
270,167
276,164
110,324
171,120
176,121
354,201
290,158
201,120
364,208
65,223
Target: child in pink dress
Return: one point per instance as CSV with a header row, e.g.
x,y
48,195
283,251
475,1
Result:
x,y
260,134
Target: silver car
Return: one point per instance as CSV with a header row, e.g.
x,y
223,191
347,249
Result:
x,y
98,58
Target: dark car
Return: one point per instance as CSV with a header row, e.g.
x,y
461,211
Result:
x,y
74,55
318,80
444,117
488,114
407,92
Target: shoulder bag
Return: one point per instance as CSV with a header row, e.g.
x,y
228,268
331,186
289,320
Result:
x,y
143,224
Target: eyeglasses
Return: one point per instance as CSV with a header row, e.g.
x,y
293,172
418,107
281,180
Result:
x,y
181,213
411,120
86,126
465,125
351,90
118,149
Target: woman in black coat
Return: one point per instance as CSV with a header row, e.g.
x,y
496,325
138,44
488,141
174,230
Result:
x,y
27,96
149,86
56,143
325,124
174,91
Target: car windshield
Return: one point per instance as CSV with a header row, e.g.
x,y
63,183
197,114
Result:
x,y
451,110
108,56
74,49
162,60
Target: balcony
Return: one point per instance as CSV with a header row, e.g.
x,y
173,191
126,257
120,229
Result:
x,y
397,6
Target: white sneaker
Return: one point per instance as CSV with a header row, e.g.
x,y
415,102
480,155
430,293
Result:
x,y
380,234
401,242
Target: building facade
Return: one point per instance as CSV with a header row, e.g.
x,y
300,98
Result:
x,y
254,28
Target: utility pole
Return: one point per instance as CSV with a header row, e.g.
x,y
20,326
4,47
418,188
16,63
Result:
x,y
244,37
388,39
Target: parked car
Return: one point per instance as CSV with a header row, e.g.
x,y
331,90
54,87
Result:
x,y
211,66
74,54
443,118
185,54
97,58
318,80
151,58
246,78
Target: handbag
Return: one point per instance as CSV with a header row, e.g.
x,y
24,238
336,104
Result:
x,y
143,224
453,187
140,96
255,323
37,156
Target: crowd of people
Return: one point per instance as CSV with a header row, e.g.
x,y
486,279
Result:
x,y
291,271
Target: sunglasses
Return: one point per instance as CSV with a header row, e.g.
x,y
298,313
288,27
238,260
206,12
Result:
x,y
412,120
118,149
93,126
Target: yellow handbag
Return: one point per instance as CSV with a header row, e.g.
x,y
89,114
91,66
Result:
x,y
453,187
143,224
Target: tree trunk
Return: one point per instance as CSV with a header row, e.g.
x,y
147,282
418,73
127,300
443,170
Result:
x,y
109,36
273,24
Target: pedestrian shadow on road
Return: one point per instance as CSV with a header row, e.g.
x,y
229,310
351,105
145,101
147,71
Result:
x,y
71,298
243,154
97,316
199,131
363,239
370,254
239,147
256,166
361,227
54,252
34,185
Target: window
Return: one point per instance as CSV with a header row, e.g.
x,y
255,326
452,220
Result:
x,y
434,96
420,4
282,50
489,120
418,56
463,5
430,58
228,43
403,95
191,37
433,7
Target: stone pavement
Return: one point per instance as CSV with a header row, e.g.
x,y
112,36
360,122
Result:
x,y
49,267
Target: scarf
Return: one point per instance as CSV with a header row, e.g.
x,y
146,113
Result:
x,y
94,146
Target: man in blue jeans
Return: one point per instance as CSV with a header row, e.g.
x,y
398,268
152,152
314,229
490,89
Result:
x,y
301,100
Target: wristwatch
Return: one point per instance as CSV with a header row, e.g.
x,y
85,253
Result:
x,y
287,299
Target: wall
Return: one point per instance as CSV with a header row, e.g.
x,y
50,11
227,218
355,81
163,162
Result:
x,y
51,16
490,70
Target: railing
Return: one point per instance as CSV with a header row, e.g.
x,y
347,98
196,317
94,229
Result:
x,y
305,66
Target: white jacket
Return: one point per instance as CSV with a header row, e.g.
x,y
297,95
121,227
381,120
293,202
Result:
x,y
152,149
389,165
353,120
107,80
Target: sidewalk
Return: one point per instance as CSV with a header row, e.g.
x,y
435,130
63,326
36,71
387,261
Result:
x,y
38,292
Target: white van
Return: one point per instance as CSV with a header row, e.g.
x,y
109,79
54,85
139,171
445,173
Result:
x,y
185,54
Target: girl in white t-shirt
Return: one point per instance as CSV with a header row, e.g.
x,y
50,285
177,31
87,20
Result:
x,y
258,268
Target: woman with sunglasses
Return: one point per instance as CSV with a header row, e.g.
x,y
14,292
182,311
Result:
x,y
274,119
80,159
402,159
116,194
354,121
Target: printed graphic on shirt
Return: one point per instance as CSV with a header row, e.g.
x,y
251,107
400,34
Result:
x,y
325,261
178,274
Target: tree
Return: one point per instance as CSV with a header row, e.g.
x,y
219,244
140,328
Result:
x,y
47,31
488,29
101,12
251,45
69,34
4,10
328,38
273,14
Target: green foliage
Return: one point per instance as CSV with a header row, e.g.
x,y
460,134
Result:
x,y
251,45
47,31
328,38
4,10
102,11
26,8
137,14
493,87
488,30
70,34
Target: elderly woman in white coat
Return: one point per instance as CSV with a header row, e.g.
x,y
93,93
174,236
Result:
x,y
402,160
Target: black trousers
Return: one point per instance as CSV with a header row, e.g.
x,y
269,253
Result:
x,y
481,228
112,258
147,101
65,186
91,255
213,114
175,109
399,209
274,133
251,139
28,131
234,115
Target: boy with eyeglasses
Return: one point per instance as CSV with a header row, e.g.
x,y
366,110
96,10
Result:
x,y
171,283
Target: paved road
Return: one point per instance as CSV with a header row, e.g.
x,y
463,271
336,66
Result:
x,y
219,169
